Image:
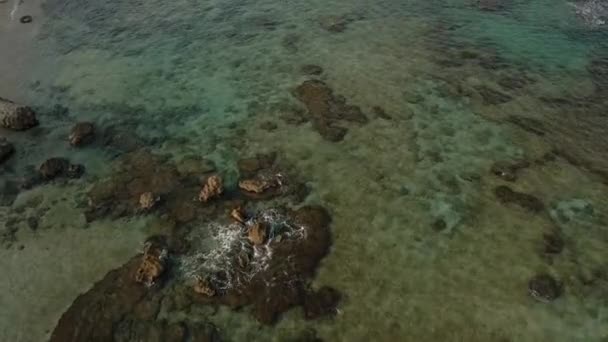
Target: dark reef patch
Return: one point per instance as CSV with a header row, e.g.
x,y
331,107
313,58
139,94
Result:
x,y
506,195
326,110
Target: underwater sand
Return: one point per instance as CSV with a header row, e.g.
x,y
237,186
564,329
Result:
x,y
422,248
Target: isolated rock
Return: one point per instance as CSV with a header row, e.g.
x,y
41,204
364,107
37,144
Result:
x,y
82,133
203,286
544,288
6,150
257,233
238,215
212,188
16,117
148,200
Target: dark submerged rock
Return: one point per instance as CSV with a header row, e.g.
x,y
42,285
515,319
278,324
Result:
x,y
111,311
491,96
553,242
269,126
544,288
6,150
311,69
379,112
506,195
59,167
16,117
326,110
26,19
531,125
82,134
322,302
508,170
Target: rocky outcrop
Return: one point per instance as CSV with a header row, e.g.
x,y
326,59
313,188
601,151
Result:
x,y
16,117
212,188
117,308
137,173
327,110
153,262
82,134
6,150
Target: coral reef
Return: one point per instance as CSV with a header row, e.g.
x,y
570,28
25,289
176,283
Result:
x,y
213,188
81,134
16,117
326,110
112,311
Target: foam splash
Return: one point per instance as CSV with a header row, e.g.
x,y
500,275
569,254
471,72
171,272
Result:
x,y
226,258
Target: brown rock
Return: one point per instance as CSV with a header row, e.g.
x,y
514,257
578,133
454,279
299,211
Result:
x,y
153,262
6,150
334,23
257,185
16,117
213,188
507,195
148,200
257,233
82,133
204,287
238,214
311,69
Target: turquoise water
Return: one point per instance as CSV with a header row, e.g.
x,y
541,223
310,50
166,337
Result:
x,y
423,248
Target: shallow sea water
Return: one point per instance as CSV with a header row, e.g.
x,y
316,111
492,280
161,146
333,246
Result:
x,y
422,248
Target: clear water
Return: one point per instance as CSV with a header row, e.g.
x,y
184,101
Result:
x,y
423,250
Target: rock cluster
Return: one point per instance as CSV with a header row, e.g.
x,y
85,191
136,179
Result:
x,y
16,117
327,110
